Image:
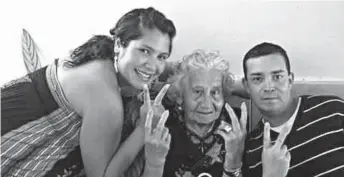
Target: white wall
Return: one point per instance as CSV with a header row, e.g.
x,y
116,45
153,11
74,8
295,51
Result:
x,y
311,32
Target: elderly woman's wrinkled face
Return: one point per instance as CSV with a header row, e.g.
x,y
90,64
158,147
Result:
x,y
203,97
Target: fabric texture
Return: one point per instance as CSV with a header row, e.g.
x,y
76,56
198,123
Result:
x,y
191,154
316,141
38,127
40,132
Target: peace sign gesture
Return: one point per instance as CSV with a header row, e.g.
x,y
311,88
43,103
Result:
x,y
234,136
157,141
155,105
275,158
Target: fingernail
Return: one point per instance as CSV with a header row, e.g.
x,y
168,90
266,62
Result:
x,y
267,125
227,105
166,112
243,105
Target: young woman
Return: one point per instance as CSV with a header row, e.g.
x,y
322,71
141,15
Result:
x,y
47,114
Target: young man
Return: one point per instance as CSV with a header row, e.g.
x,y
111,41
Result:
x,y
306,137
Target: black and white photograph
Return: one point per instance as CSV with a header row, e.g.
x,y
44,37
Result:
x,y
148,88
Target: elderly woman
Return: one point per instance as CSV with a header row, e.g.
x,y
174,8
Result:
x,y
207,136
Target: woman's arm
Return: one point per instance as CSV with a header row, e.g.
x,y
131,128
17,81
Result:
x,y
93,92
230,170
99,140
126,153
153,171
100,132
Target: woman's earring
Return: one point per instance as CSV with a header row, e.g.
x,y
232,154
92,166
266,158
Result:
x,y
180,109
115,63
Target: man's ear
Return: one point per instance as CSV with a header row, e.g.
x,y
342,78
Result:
x,y
291,79
245,85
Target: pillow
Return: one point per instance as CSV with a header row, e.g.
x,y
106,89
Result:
x,y
31,53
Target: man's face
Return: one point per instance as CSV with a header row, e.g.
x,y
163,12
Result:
x,y
269,83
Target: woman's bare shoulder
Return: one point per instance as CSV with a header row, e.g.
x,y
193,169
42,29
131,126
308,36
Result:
x,y
92,83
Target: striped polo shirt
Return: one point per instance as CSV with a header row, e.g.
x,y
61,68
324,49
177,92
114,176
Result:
x,y
316,141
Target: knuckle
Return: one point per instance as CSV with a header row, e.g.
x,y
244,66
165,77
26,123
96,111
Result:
x,y
158,129
155,142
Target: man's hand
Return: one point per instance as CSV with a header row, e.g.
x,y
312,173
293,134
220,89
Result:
x,y
275,158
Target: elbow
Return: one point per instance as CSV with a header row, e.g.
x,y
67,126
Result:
x,y
94,170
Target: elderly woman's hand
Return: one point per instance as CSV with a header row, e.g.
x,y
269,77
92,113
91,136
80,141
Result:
x,y
157,141
234,137
156,105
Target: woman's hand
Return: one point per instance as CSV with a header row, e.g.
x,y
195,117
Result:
x,y
157,140
234,137
155,105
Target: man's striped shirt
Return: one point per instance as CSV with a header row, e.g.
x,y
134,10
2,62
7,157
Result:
x,y
316,141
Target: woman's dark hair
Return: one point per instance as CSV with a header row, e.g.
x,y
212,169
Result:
x,y
129,27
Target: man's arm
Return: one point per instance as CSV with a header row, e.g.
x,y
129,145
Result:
x,y
341,109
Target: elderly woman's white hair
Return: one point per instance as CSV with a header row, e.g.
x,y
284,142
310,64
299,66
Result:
x,y
197,60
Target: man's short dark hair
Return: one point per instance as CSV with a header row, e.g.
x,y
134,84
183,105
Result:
x,y
263,49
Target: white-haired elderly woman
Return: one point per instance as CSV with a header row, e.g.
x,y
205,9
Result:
x,y
207,134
